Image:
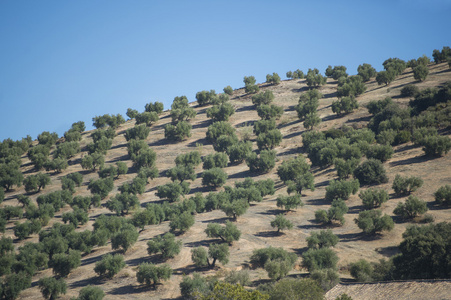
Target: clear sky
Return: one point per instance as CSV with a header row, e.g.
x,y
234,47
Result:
x,y
68,61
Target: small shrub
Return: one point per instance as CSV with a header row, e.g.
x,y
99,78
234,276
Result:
x,y
335,213
151,274
406,185
281,223
216,160
372,221
110,265
372,198
371,172
436,145
322,239
341,189
167,245
318,259
214,177
263,98
409,91
413,207
263,163
443,195
228,90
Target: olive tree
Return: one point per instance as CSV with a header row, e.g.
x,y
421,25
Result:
x,y
109,265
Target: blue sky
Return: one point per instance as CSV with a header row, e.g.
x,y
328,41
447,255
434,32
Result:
x,y
68,61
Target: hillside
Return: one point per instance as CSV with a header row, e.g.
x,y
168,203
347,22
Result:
x,y
256,232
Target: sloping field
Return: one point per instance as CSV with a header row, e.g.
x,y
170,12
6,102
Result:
x,y
256,231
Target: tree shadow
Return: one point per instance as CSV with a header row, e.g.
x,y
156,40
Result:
x,y
155,259
411,161
203,124
91,260
314,225
219,220
294,134
129,289
246,123
268,234
204,243
242,174
356,209
388,251
272,212
95,280
317,201
189,269
299,251
331,117
246,108
120,158
162,142
361,119
288,124
300,90
330,95
406,147
202,141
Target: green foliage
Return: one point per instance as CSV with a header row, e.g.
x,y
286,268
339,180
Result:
x,y
344,167
341,189
420,72
413,207
379,152
98,134
220,112
289,202
403,185
182,222
63,264
249,85
238,152
190,158
326,278
111,120
205,97
385,77
322,239
281,223
318,259
269,140
192,287
260,257
136,186
70,181
424,253
75,217
93,161
262,98
291,288
351,86
51,288
91,293
48,139
336,72
366,71
372,198
308,103
139,132
345,105
235,208
101,146
410,90
132,113
370,171
267,112
216,160
157,107
13,284
395,64
273,79
361,270
231,291
180,110
443,195
376,106
181,173
110,265
217,129
436,146
125,238
228,90
216,252
311,120
122,203
228,233
314,78
372,221
172,191
262,126
24,230
214,177
166,245
145,158
102,186
36,182
335,213
199,256
263,163
10,175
